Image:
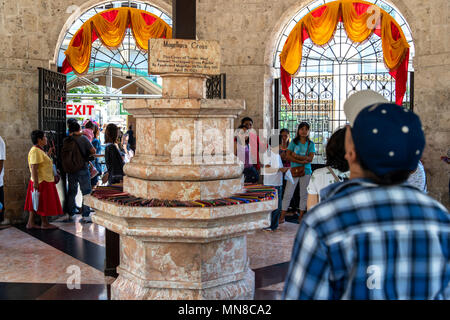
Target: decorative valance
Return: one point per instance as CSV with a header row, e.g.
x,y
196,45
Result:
x,y
109,26
320,24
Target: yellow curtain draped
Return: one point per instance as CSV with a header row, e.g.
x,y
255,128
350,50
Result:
x,y
321,29
111,33
142,32
394,51
355,26
291,56
79,57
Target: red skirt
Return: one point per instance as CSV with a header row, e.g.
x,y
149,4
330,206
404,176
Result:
x,y
49,204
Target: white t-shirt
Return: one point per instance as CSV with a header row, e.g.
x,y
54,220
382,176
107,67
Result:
x,y
2,157
274,161
322,178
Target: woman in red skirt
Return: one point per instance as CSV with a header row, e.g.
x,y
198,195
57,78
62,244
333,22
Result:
x,y
41,167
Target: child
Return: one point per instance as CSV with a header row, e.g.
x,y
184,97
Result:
x,y
88,130
273,176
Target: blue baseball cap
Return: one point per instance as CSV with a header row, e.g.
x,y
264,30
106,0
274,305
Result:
x,y
388,138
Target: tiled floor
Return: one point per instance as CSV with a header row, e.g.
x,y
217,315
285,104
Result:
x,y
37,264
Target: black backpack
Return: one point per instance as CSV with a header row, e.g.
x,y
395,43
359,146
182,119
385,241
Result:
x,y
72,159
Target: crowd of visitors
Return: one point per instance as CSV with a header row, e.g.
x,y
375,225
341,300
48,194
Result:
x,y
374,236
81,168
365,210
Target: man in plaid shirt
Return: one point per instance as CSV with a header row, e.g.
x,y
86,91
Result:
x,y
374,237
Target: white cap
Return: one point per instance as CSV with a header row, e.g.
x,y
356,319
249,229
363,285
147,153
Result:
x,y
358,101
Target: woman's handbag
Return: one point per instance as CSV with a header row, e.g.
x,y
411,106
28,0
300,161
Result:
x,y
92,170
299,171
35,199
105,178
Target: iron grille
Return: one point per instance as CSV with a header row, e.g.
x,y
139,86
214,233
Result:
x,y
216,87
52,108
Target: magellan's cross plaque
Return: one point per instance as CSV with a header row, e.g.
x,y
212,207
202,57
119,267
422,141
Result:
x,y
184,56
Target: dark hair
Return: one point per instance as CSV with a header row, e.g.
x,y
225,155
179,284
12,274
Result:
x,y
335,151
89,125
95,131
74,126
285,130
111,133
37,134
71,120
297,136
246,119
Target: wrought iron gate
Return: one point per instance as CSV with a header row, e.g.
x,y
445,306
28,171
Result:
x,y
52,108
327,77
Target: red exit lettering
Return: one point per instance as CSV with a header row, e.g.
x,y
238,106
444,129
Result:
x,y
82,110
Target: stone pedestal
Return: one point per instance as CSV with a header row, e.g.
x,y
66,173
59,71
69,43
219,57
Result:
x,y
183,253
184,152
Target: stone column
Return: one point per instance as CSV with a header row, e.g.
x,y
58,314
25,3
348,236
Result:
x,y
183,252
183,122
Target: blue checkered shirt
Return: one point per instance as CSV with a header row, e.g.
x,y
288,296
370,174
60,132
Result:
x,y
365,241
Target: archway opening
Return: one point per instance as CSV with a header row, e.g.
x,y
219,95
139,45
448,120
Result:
x,y
113,73
329,74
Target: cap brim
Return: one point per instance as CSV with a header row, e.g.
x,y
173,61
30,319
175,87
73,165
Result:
x,y
358,101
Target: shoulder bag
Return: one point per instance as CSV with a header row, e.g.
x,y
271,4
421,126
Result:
x,y
299,171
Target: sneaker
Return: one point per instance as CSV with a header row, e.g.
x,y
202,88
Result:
x,y
86,220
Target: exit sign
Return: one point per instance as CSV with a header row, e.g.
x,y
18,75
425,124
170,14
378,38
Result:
x,y
79,110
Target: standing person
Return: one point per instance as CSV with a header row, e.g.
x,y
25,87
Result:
x,y
374,236
301,153
285,140
247,150
113,158
98,150
75,157
284,144
88,130
131,139
2,170
273,176
336,169
43,181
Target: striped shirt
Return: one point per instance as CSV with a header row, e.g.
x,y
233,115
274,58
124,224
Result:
x,y
366,241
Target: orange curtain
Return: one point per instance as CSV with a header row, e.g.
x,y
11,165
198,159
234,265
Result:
x,y
110,26
320,25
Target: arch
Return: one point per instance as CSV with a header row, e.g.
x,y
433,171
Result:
x,y
78,11
322,79
277,30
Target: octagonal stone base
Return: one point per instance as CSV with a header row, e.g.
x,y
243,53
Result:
x,y
183,252
182,190
125,288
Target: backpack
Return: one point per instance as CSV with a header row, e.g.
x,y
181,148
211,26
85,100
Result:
x,y
72,159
